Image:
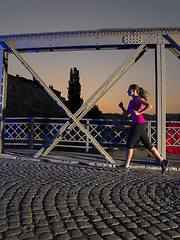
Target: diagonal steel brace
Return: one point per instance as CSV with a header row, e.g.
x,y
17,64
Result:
x,y
175,42
12,46
93,99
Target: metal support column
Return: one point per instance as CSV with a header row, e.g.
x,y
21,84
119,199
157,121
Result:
x,y
160,99
3,94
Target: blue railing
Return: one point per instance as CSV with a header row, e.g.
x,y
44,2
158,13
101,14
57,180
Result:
x,y
111,134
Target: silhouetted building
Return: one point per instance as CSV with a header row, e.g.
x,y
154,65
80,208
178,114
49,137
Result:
x,y
26,98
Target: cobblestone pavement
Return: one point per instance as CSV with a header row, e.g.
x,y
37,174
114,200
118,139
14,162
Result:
x,y
45,200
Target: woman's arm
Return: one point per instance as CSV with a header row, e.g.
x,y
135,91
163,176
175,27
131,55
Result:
x,y
125,111
147,105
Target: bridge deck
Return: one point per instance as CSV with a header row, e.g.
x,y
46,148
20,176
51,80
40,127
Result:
x,y
140,157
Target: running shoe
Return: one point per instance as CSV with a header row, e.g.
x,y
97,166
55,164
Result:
x,y
123,167
163,165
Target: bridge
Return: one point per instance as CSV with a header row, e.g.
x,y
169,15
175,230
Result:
x,y
139,40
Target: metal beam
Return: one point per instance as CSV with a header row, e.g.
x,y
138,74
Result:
x,y
93,99
160,99
174,40
89,40
11,46
3,94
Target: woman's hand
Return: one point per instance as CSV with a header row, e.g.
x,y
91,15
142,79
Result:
x,y
125,111
136,112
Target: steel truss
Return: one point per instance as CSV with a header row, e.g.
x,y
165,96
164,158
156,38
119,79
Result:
x,y
138,39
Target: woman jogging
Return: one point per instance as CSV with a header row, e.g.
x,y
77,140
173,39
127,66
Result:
x,y
137,106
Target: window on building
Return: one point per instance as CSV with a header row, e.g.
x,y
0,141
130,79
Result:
x,y
35,93
26,113
36,104
11,87
27,91
9,111
27,102
10,100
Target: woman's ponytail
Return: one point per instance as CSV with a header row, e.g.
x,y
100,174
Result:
x,y
142,93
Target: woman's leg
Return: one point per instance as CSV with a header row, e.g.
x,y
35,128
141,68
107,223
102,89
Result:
x,y
129,153
145,140
155,152
134,135
163,163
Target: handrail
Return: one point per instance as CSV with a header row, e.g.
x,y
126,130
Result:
x,y
110,133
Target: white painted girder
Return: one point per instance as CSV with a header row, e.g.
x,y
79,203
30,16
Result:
x,y
96,39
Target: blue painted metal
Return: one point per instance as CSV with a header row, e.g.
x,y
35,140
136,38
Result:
x,y
110,133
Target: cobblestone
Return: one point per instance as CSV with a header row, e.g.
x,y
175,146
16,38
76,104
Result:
x,y
45,200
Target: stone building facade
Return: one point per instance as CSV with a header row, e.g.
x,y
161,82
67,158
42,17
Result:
x,y
26,98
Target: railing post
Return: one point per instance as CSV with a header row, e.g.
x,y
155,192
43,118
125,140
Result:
x,y
31,134
87,139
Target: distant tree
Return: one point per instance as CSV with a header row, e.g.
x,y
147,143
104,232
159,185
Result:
x,y
74,91
51,87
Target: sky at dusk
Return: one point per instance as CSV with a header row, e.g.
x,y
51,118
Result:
x,y
39,16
